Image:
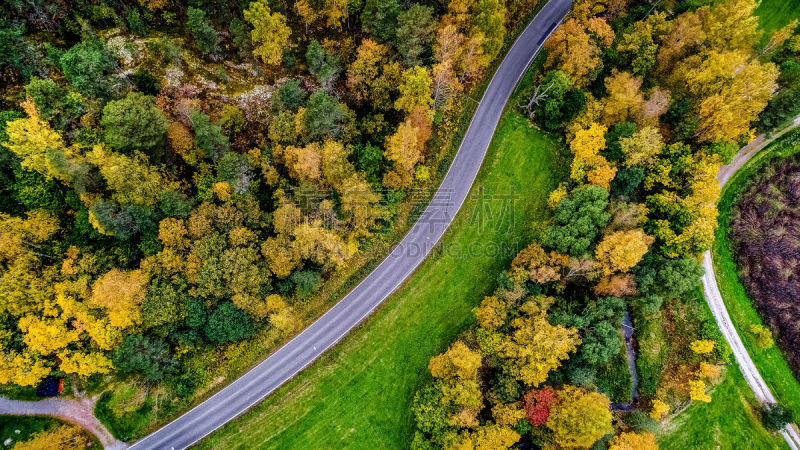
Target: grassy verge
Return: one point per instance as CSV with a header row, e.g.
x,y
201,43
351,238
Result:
x,y
770,362
774,14
729,421
359,394
26,425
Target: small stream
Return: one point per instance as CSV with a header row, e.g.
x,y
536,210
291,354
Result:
x,y
627,331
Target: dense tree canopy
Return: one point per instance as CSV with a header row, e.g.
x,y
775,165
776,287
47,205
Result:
x,y
134,123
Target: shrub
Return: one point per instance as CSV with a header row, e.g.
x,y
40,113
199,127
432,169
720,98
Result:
x,y
85,66
578,219
146,83
430,417
650,304
144,355
228,323
203,33
54,103
186,384
113,220
305,282
774,416
195,313
763,336
323,65
615,378
135,22
290,96
17,55
649,377
208,136
134,123
627,180
174,204
368,158
240,35
232,119
323,116
640,422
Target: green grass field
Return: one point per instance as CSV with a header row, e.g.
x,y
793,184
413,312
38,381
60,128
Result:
x,y
770,363
359,394
774,14
729,421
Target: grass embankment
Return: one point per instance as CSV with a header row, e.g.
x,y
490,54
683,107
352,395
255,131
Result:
x,y
729,421
26,425
775,14
770,363
359,394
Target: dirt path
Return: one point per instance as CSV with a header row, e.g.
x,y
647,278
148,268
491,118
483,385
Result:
x,y
717,305
78,412
750,150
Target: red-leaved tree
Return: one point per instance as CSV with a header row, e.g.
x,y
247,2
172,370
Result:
x,y
537,404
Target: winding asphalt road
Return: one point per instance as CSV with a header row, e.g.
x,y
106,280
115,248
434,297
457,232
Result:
x,y
717,305
252,387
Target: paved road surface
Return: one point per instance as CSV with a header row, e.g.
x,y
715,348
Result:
x,y
714,298
252,387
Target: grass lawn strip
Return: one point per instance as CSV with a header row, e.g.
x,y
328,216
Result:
x,y
728,422
775,14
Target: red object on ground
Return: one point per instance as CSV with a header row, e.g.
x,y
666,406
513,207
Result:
x,y
60,385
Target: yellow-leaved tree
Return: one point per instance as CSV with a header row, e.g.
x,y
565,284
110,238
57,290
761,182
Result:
x,y
61,437
579,418
633,441
587,163
621,250
403,149
132,179
121,294
42,149
489,436
535,347
457,362
270,32
415,89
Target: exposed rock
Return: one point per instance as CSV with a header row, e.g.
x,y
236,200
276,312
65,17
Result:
x,y
174,77
255,103
124,50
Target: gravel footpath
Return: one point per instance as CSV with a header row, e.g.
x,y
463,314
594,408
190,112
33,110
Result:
x,y
78,412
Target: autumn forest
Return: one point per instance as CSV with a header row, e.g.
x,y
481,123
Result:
x,y
185,186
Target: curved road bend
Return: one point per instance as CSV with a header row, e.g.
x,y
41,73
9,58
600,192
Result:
x,y
252,387
717,305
